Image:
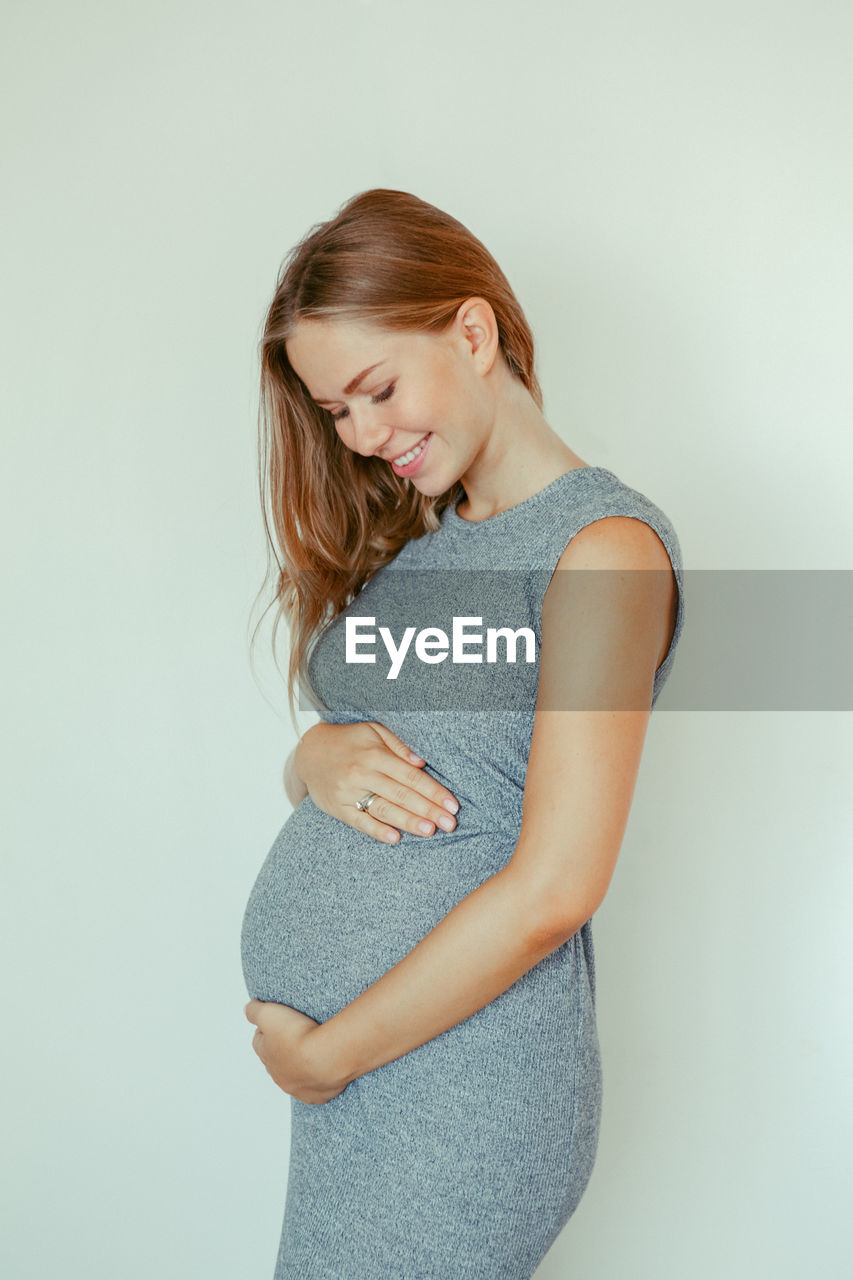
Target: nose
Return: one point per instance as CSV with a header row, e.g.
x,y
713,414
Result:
x,y
368,433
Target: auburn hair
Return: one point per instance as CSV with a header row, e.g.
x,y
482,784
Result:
x,y
333,517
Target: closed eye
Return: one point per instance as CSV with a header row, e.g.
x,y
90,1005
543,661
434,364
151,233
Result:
x,y
382,395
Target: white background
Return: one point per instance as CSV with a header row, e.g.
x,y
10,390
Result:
x,y
667,186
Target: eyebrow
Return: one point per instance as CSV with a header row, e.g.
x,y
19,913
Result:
x,y
354,384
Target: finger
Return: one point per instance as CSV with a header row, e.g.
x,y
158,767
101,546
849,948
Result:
x,y
412,814
417,792
396,744
363,821
257,1042
421,794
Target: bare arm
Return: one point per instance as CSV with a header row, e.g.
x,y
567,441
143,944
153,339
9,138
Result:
x,y
580,781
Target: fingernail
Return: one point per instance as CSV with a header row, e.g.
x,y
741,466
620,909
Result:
x,y
425,827
446,823
416,759
451,805
392,837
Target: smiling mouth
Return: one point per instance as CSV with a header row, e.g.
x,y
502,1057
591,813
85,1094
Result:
x,y
405,458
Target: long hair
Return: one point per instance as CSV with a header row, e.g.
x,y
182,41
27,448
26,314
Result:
x,y
333,517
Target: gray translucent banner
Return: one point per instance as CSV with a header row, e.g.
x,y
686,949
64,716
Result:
x,y
442,640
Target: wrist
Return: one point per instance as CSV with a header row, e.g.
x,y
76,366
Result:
x,y
328,1058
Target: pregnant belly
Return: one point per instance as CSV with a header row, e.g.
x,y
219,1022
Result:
x,y
333,909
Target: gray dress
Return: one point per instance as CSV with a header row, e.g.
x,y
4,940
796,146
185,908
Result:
x,y
465,1157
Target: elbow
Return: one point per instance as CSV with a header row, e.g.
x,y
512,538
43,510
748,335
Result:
x,y
552,916
564,921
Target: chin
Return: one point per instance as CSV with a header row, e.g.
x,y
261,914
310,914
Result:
x,y
429,489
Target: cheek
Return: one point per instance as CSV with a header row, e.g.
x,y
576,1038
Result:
x,y
344,433
426,410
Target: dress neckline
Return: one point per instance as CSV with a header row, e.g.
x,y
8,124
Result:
x,y
451,517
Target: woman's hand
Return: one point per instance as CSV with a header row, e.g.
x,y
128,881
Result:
x,y
340,763
283,1042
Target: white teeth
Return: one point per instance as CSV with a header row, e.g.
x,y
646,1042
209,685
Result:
x,y
410,456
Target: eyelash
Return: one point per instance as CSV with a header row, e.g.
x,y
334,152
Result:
x,y
383,395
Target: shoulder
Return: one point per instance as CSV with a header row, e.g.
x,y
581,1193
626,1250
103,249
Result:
x,y
634,603
615,542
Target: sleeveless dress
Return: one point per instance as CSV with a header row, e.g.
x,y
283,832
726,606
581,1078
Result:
x,y
465,1157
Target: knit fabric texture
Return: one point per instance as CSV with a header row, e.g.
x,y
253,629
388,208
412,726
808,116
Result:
x,y
467,1156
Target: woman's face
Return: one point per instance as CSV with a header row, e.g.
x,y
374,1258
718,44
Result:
x,y
420,393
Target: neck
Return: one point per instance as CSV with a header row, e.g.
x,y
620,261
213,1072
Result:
x,y
520,455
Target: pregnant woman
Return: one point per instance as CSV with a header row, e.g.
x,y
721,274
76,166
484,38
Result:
x,y
418,944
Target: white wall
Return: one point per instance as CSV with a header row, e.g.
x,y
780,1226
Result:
x,y
668,188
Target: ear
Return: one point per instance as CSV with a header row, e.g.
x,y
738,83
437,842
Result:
x,y
476,326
